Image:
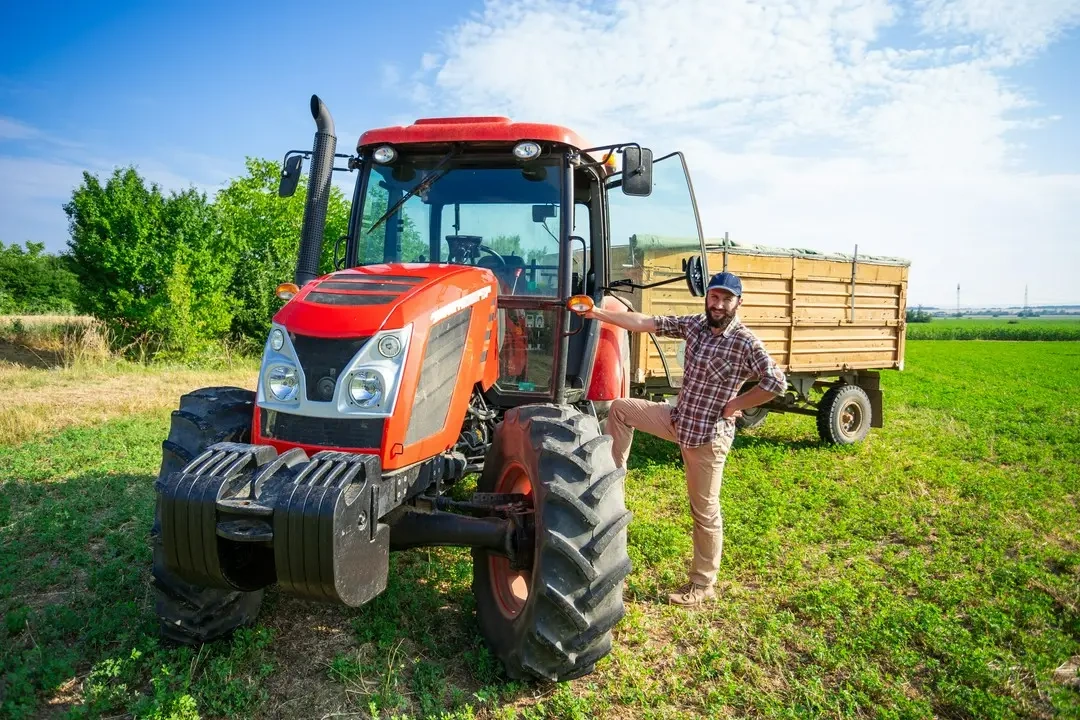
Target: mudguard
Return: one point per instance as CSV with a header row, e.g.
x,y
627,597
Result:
x,y
611,369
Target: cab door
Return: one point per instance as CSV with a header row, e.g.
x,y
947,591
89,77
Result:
x,y
651,237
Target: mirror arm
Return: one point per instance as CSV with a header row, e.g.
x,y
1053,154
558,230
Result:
x,y
616,284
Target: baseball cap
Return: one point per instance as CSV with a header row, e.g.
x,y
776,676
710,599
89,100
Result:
x,y
727,281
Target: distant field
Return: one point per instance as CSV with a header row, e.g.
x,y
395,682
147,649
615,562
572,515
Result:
x,y
931,572
996,329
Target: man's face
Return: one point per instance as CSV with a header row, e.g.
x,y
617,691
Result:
x,y
720,306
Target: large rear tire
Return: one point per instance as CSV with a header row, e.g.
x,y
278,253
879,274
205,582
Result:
x,y
553,621
191,614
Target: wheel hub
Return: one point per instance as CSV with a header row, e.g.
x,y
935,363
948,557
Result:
x,y
511,584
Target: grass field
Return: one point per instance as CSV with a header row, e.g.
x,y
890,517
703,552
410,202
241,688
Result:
x,y
1036,328
933,571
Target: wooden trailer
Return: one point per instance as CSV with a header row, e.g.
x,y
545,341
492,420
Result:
x,y
832,322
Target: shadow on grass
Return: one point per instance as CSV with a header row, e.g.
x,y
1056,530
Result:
x,y
79,630
650,451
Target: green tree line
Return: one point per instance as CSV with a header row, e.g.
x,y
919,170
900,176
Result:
x,y
177,272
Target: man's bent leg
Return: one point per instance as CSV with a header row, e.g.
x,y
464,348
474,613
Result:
x,y
704,476
628,414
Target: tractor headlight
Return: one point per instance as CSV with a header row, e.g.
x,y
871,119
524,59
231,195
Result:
x,y
283,382
526,150
389,346
277,339
366,388
384,154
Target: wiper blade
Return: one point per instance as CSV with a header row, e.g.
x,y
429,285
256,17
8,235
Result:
x,y
421,186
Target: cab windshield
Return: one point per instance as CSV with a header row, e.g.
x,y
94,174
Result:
x,y
467,212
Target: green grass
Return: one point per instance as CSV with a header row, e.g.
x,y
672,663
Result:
x,y
933,571
1037,328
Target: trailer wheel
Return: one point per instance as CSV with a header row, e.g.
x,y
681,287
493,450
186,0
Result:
x,y
844,415
553,621
751,418
190,614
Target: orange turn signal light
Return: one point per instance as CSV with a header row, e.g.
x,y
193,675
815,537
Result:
x,y
287,291
580,304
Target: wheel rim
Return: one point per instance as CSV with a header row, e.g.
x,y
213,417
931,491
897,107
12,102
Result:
x,y
850,420
511,587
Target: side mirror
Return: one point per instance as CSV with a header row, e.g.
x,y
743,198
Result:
x,y
290,175
695,275
637,165
542,212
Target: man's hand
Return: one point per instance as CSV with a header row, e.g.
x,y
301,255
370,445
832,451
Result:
x,y
731,410
632,321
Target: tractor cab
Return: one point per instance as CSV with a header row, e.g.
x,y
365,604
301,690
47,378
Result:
x,y
550,217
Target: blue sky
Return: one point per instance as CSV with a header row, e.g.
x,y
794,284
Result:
x,y
943,131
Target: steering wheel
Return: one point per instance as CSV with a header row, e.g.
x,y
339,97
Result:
x,y
497,256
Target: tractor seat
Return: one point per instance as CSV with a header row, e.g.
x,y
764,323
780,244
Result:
x,y
508,273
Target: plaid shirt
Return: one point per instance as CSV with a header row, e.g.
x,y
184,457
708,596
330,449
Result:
x,y
715,367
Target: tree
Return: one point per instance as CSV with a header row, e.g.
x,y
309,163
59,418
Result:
x,y
262,231
33,281
129,242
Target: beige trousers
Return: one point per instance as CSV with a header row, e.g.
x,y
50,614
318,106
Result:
x,y
704,473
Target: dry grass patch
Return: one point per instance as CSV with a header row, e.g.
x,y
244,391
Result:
x,y
38,402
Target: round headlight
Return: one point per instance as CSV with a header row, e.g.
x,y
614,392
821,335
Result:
x,y
384,154
277,339
389,346
366,388
526,150
283,381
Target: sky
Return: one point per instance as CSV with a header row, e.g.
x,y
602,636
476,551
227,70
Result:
x,y
946,132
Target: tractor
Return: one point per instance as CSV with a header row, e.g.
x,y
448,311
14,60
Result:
x,y
446,340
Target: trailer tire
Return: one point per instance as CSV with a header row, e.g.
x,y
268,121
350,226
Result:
x,y
751,418
562,626
844,415
190,614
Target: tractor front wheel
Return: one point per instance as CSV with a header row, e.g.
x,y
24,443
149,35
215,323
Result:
x,y
553,620
190,614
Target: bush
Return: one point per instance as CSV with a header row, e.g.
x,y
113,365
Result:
x,y
137,252
918,316
35,282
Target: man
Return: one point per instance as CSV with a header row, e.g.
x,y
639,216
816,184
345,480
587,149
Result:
x,y
721,355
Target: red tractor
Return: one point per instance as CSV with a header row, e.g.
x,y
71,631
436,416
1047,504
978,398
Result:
x,y
444,343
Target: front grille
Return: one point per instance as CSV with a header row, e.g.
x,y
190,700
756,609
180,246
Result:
x,y
329,298
352,433
407,279
366,285
324,359
438,376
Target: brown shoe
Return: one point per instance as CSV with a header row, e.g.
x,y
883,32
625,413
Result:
x,y
692,594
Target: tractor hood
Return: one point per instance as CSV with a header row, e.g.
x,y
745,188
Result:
x,y
362,301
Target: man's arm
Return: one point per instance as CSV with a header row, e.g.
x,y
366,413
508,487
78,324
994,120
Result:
x,y
629,320
771,383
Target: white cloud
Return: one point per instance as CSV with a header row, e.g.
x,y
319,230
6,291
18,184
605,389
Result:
x,y
805,123
1011,27
12,129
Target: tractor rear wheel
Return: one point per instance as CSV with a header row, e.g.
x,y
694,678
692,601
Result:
x,y
190,614
553,620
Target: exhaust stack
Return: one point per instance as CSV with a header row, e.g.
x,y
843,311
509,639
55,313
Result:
x,y
318,194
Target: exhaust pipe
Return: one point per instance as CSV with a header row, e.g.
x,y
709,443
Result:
x,y
318,194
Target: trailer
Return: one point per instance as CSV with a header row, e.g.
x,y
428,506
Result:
x,y
832,322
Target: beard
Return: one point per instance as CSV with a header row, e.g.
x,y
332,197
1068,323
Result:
x,y
718,319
